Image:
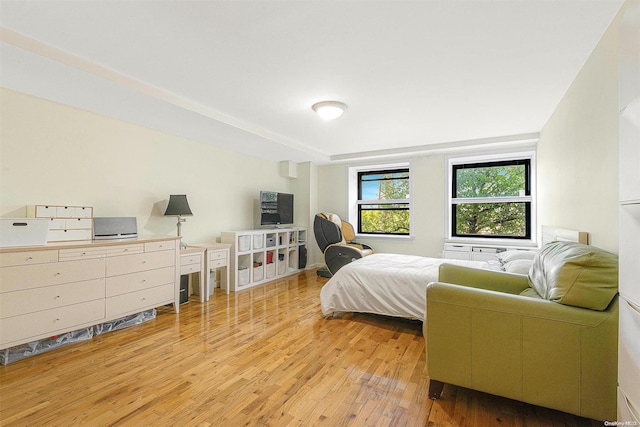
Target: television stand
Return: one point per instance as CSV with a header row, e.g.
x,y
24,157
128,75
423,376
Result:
x,y
259,256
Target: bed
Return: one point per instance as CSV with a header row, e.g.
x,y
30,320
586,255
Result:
x,y
395,285
386,284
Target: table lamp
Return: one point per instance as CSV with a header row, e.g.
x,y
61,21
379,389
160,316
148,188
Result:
x,y
178,206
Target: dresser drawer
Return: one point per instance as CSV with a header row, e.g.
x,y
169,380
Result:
x,y
135,248
190,268
82,253
163,245
126,283
22,277
27,258
139,262
33,300
137,301
32,326
214,255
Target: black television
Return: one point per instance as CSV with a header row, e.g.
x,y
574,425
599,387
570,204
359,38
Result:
x,y
276,208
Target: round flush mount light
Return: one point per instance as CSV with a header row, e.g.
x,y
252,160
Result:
x,y
329,110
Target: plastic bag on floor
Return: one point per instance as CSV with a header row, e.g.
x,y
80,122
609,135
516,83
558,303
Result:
x,y
125,322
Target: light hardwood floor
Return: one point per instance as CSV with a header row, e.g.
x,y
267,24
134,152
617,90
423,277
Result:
x,y
260,357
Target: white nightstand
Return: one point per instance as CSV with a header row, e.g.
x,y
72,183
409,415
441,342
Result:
x,y
216,256
192,261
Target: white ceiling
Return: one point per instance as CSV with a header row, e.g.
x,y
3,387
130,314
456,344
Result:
x,y
416,75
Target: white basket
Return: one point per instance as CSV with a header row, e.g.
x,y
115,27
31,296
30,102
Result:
x,y
271,270
258,273
258,241
243,277
244,243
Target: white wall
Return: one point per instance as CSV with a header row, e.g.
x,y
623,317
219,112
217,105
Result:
x,y
578,151
55,154
428,199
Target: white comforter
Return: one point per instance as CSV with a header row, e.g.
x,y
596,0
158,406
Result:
x,y
387,284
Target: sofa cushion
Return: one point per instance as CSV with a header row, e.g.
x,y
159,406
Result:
x,y
575,274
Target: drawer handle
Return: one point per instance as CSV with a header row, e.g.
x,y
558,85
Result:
x,y
57,297
29,258
58,274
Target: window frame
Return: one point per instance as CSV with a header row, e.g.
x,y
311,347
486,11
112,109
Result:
x,y
355,202
487,160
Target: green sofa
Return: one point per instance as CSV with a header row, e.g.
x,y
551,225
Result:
x,y
548,338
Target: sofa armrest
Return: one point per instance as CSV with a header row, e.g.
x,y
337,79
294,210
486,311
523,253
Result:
x,y
485,279
495,301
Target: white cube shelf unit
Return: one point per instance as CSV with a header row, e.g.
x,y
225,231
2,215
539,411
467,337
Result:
x,y
259,256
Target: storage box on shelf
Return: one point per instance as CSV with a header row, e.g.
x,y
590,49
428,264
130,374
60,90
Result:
x,y
258,256
65,222
57,288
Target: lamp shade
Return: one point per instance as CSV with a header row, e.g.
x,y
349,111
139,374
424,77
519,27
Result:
x,y
178,206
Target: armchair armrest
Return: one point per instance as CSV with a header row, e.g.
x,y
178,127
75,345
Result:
x,y
485,279
498,302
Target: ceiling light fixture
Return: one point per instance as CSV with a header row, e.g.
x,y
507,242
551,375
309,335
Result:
x,y
329,110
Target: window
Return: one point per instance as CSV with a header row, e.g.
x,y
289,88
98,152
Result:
x,y
382,202
491,197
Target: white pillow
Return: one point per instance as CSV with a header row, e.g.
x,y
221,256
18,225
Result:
x,y
508,256
519,266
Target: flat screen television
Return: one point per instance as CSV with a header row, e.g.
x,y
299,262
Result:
x,y
276,208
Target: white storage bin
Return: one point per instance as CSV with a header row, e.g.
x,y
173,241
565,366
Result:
x,y
258,241
244,243
23,231
258,273
243,277
282,267
271,270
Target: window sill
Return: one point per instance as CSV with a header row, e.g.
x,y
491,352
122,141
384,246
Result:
x,y
383,237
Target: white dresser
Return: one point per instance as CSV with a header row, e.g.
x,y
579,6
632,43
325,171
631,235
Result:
x,y
57,288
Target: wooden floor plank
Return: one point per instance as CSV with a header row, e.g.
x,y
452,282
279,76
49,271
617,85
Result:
x,y
263,356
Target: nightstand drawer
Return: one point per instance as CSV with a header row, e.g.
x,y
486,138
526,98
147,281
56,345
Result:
x,y
190,268
218,263
213,255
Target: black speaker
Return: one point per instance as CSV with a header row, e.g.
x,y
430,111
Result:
x,y
302,257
